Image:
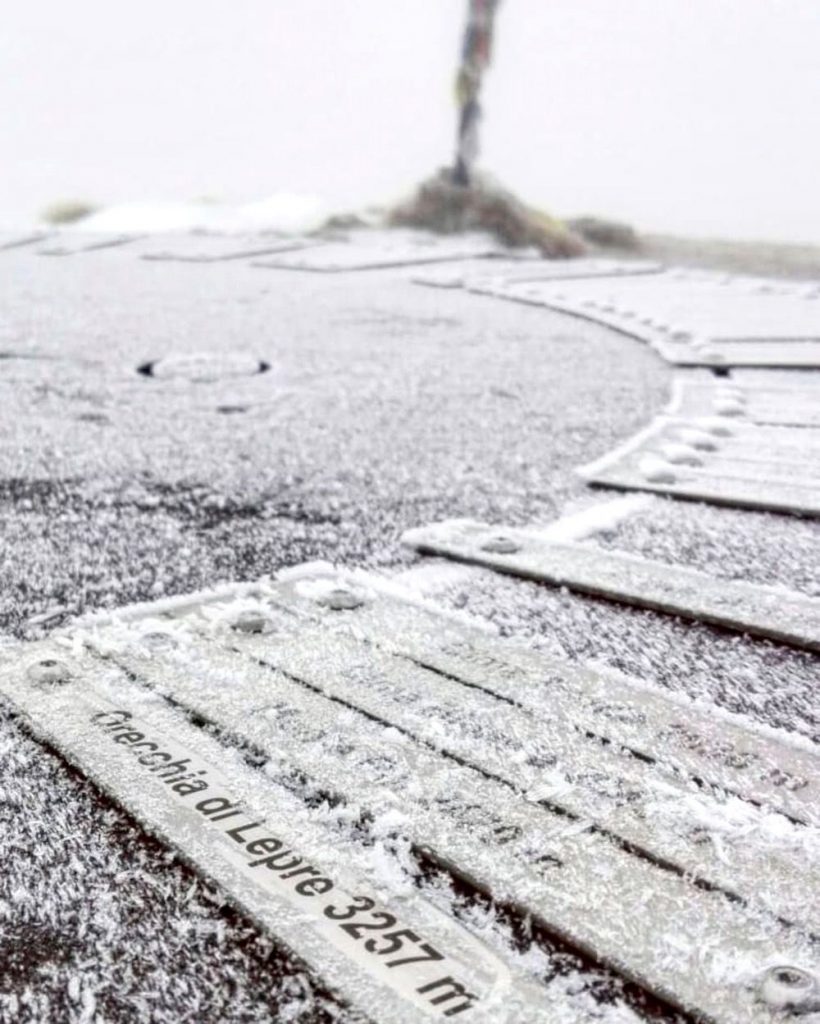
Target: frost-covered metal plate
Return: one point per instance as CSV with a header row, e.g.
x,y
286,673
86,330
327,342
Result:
x,y
379,250
488,279
470,780
78,242
8,242
431,731
271,854
720,460
694,318
765,767
748,401
220,248
204,367
549,271
310,720
772,612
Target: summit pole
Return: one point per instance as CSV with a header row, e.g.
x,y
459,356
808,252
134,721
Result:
x,y
476,54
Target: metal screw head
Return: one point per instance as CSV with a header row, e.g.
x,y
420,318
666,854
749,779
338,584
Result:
x,y
681,455
698,439
501,546
251,621
156,639
49,672
658,471
341,599
712,425
728,407
790,988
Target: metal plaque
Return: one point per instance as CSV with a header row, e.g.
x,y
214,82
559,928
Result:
x,y
775,613
512,770
221,248
380,250
693,318
261,844
22,241
700,741
78,242
745,402
725,463
351,720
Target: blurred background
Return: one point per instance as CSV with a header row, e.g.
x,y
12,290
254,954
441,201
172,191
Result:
x,y
696,117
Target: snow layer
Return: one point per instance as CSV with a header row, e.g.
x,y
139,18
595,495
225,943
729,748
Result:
x,y
283,211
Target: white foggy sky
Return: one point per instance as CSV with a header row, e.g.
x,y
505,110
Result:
x,y
697,116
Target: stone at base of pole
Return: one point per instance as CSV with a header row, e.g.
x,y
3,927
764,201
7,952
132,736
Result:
x,y
447,205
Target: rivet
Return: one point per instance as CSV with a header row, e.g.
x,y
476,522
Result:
x,y
790,988
49,671
157,639
714,426
728,407
501,546
341,599
251,622
698,439
657,471
681,454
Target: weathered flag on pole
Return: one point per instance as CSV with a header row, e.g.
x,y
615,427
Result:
x,y
475,58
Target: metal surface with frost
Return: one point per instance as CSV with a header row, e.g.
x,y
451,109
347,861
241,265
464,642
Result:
x,y
325,679
220,248
622,795
693,318
76,243
774,613
488,279
340,715
380,752
717,748
63,691
770,468
8,243
381,250
749,401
